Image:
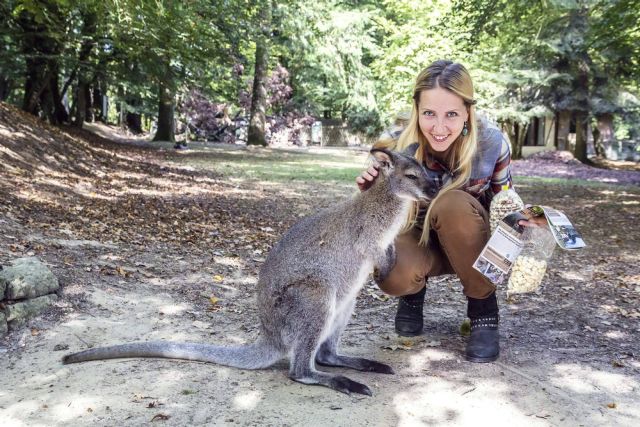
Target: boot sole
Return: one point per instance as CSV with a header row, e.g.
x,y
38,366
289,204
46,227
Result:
x,y
409,334
482,359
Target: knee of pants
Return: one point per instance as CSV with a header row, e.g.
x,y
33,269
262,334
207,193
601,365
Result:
x,y
456,206
398,284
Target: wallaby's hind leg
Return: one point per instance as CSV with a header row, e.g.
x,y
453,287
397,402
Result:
x,y
302,370
327,353
305,344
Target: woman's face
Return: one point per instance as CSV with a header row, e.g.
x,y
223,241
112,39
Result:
x,y
441,117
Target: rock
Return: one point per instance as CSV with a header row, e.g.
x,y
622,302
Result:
x,y
3,324
18,313
27,278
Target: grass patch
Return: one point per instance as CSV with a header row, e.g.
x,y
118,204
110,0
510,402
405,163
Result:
x,y
564,182
280,165
328,165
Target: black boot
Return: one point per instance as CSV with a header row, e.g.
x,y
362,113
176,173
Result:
x,y
484,342
409,317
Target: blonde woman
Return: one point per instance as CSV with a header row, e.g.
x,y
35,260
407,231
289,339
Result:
x,y
468,160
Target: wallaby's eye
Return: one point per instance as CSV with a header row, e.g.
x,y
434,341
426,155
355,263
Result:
x,y
412,176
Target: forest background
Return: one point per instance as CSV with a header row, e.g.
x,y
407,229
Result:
x,y
152,243
211,67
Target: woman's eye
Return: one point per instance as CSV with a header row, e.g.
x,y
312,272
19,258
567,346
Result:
x,y
427,113
452,114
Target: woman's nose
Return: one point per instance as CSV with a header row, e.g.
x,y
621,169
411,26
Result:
x,y
438,127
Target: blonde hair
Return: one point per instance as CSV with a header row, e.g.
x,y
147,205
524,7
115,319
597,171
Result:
x,y
455,78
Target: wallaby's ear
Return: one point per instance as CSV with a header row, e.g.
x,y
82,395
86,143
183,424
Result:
x,y
383,157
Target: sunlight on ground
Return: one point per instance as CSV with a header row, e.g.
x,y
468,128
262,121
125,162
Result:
x,y
247,401
13,413
228,261
583,379
584,274
617,335
440,402
425,357
76,407
173,309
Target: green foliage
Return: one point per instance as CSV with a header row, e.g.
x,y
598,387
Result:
x,y
329,50
416,34
355,60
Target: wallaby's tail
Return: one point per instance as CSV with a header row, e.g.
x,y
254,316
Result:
x,y
250,356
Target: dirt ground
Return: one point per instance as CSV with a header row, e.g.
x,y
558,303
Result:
x,y
148,249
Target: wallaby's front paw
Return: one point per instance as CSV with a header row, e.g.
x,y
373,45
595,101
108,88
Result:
x,y
386,264
380,368
345,385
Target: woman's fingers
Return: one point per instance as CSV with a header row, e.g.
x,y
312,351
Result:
x,y
539,221
367,177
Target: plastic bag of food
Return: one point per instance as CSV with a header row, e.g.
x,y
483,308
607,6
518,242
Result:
x,y
502,204
531,265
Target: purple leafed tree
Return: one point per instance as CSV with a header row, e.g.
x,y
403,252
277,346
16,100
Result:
x,y
214,121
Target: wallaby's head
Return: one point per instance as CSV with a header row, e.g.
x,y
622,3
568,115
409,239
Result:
x,y
406,177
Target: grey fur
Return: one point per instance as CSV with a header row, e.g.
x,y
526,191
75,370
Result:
x,y
308,284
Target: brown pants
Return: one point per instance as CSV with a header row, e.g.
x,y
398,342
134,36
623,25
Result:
x,y
459,231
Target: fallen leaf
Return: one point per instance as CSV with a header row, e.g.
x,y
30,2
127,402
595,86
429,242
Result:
x,y
612,405
218,278
396,347
160,417
213,299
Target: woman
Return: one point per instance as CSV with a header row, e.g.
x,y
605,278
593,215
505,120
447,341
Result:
x,y
469,161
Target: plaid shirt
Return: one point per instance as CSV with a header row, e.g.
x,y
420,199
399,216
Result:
x,y
490,169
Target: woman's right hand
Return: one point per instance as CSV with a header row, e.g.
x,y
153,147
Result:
x,y
365,180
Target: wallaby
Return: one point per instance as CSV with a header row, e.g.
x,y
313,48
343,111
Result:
x,y
308,284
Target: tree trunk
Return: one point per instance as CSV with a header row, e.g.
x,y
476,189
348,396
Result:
x,y
133,119
606,134
520,138
42,50
99,92
563,120
580,151
5,87
89,115
134,122
258,113
60,112
35,84
166,110
99,112
509,127
81,104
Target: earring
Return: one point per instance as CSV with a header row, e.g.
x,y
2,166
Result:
x,y
465,130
